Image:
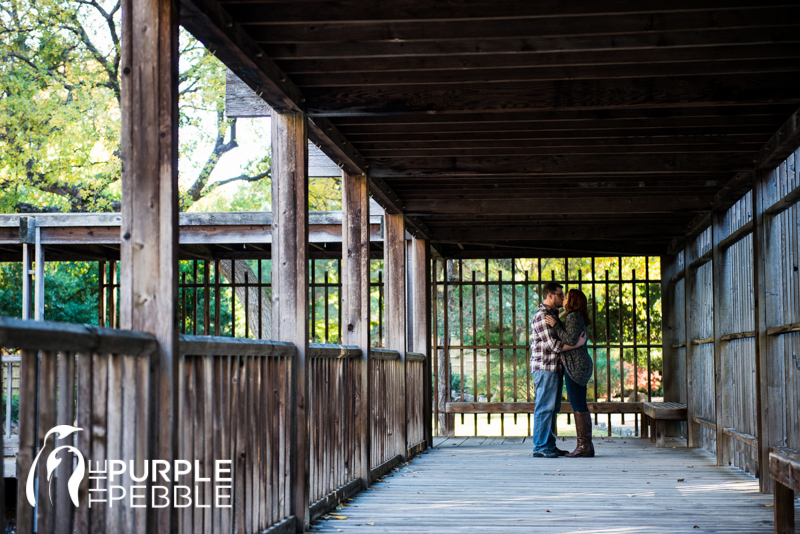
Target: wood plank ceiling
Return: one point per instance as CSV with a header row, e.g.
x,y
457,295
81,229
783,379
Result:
x,y
517,127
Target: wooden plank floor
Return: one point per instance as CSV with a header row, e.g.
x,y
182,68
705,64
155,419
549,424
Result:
x,y
494,485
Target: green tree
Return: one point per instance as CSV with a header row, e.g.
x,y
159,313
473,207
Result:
x,y
60,114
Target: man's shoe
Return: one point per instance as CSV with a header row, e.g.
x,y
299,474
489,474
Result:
x,y
560,452
545,454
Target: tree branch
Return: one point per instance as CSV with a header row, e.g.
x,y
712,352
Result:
x,y
195,192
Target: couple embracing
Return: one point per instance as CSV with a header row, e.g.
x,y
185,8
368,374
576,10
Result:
x,y
558,354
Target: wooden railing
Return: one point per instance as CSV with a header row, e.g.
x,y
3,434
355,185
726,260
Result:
x,y
234,404
385,372
334,435
99,381
415,400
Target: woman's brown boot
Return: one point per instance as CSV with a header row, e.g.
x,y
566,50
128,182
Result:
x,y
583,426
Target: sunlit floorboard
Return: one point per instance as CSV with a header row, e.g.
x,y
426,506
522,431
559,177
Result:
x,y
480,485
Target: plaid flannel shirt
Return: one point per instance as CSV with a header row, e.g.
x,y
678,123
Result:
x,y
545,345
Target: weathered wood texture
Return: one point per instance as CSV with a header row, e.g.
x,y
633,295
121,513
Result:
x,y
289,282
493,485
655,416
737,365
779,300
784,469
335,444
673,333
235,405
699,323
385,369
149,207
397,315
106,375
356,301
528,97
416,400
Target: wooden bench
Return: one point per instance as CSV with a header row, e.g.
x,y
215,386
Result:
x,y
655,416
784,468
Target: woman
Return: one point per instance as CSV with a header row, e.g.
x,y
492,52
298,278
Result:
x,y
578,366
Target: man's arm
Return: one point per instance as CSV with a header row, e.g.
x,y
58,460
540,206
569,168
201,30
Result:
x,y
547,334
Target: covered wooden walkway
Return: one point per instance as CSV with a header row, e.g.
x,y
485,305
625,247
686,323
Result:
x,y
487,485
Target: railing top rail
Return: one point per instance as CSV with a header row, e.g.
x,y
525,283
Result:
x,y
320,350
54,336
233,346
260,218
383,354
415,357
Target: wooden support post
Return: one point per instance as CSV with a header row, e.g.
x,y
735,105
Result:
x,y
674,369
420,319
290,283
355,294
689,287
759,296
395,267
722,306
768,249
149,229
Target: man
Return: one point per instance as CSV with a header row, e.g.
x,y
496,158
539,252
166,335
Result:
x,y
548,373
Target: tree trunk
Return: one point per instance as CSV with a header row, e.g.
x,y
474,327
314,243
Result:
x,y
254,293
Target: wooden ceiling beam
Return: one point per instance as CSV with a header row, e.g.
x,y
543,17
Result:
x,y
560,165
644,42
456,184
532,206
518,26
357,11
494,232
698,148
561,194
694,91
773,113
493,76
783,143
551,59
219,32
643,137
700,124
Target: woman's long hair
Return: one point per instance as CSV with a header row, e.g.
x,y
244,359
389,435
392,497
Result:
x,y
576,302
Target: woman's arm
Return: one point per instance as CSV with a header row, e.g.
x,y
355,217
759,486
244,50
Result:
x,y
563,334
567,334
573,335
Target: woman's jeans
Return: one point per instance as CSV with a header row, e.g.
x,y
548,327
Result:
x,y
548,403
577,395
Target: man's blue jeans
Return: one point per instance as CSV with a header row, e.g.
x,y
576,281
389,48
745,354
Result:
x,y
548,403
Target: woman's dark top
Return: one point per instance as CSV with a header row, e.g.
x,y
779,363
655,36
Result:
x,y
577,362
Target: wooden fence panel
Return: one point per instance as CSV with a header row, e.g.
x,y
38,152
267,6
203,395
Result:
x,y
234,406
415,382
87,400
334,387
781,346
384,374
699,345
